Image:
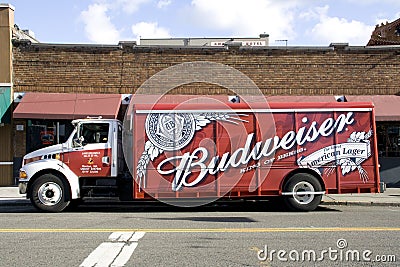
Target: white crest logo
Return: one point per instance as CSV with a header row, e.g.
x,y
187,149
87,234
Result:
x,y
170,131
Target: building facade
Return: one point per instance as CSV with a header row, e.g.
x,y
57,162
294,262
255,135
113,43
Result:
x,y
281,73
6,155
386,34
262,41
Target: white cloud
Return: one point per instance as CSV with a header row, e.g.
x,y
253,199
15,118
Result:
x,y
130,6
381,18
372,2
163,3
149,30
313,13
247,18
98,26
335,29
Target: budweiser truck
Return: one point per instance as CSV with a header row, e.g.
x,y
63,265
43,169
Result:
x,y
292,151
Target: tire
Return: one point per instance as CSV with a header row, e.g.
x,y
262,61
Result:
x,y
49,193
302,182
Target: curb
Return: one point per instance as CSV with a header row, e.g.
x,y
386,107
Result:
x,y
14,202
360,203
26,202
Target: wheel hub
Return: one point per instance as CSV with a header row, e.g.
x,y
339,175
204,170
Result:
x,y
300,196
50,193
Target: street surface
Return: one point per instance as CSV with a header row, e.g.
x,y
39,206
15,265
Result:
x,y
235,234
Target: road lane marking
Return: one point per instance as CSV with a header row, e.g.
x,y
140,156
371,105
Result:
x,y
120,236
202,230
125,255
115,253
103,255
136,236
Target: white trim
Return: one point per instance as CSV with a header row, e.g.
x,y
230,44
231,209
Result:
x,y
34,167
7,6
6,163
146,111
6,84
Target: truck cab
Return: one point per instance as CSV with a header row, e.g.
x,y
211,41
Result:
x,y
89,164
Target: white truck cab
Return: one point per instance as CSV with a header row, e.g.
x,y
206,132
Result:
x,y
89,160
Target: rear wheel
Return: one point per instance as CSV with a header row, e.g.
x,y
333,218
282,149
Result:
x,y
299,185
49,193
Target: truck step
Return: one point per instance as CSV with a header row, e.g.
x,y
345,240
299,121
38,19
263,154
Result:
x,y
99,191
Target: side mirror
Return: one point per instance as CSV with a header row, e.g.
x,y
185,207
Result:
x,y
78,141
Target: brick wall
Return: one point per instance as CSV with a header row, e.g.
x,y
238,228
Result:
x,y
122,69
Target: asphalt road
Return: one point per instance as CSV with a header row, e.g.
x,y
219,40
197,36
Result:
x,y
219,235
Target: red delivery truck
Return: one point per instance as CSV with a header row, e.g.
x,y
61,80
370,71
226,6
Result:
x,y
204,152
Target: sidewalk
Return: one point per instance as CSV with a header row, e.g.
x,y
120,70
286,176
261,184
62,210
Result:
x,y
391,197
10,196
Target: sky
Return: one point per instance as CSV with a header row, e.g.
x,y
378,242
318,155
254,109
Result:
x,y
300,22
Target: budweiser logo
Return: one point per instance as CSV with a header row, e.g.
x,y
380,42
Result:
x,y
200,159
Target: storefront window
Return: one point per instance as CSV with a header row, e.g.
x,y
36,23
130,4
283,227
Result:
x,y
42,133
389,139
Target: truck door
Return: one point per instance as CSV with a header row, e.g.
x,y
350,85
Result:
x,y
91,154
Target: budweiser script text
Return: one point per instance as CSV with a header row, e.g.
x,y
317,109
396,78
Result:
x,y
199,158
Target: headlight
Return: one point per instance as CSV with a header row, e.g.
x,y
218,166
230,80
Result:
x,y
22,175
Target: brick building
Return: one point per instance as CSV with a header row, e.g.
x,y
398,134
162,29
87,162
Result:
x,y
281,73
386,34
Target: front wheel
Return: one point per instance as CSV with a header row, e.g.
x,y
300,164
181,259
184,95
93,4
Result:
x,y
49,193
304,190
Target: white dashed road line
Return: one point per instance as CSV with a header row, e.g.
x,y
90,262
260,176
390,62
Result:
x,y
136,236
115,252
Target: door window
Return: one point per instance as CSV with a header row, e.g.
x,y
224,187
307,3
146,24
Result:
x,y
94,133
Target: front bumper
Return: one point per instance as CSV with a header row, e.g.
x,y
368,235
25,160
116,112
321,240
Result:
x,y
382,187
22,186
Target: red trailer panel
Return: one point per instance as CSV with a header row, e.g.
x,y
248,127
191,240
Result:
x,y
242,150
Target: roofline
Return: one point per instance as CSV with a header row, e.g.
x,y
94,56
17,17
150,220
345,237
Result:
x,y
72,45
134,46
27,43
4,5
204,38
382,47
294,48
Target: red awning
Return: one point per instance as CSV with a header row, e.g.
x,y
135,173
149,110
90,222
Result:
x,y
387,107
67,106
